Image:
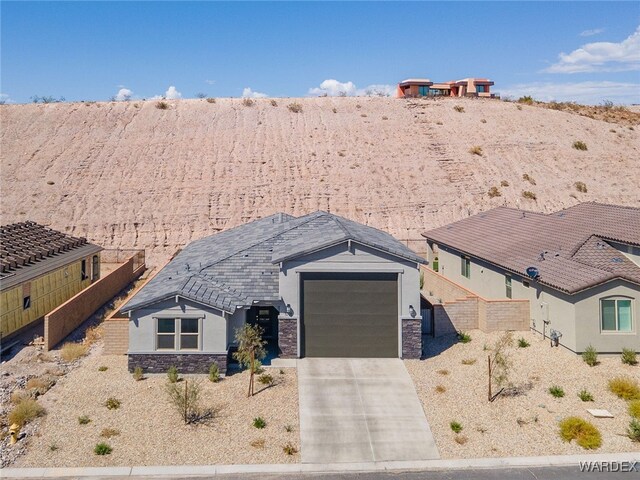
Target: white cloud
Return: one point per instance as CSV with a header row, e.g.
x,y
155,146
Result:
x,y
335,88
172,93
209,82
592,32
248,93
601,57
123,94
591,93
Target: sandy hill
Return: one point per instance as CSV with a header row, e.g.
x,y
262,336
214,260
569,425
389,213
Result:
x,y
133,175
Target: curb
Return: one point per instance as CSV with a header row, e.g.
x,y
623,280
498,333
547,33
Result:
x,y
423,465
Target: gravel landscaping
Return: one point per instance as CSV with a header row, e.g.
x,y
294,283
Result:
x,y
151,432
521,425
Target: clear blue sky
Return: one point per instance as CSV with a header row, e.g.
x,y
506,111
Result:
x,y
92,50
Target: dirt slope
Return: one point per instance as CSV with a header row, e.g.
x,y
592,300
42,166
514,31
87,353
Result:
x,y
132,175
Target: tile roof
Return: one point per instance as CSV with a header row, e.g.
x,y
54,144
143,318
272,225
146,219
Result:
x,y
569,248
241,265
28,249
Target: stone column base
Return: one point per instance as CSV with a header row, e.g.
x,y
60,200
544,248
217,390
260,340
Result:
x,y
411,337
184,362
288,337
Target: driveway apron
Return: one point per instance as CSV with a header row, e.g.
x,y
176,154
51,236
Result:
x,y
360,410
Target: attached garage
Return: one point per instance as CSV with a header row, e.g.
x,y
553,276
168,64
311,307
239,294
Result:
x,y
349,315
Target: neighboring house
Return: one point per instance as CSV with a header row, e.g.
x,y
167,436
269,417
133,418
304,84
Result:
x,y
40,269
320,285
583,262
467,87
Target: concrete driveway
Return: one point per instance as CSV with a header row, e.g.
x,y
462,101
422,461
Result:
x,y
360,410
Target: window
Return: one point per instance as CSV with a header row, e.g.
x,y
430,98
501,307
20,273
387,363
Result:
x,y
507,286
481,88
423,90
26,302
616,315
83,270
525,283
95,267
465,266
185,330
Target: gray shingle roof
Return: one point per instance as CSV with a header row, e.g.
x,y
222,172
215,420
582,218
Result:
x,y
240,265
569,248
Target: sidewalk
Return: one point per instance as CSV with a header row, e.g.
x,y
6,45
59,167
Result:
x,y
212,470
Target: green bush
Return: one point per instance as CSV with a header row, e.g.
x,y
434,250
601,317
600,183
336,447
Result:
x,y
214,373
138,374
459,108
584,433
102,449
556,391
464,337
633,432
522,343
103,368
112,403
25,411
259,422
590,356
456,426
629,356
625,387
265,379
527,99
289,449
634,408
529,195
578,145
172,374
83,420
585,396
288,428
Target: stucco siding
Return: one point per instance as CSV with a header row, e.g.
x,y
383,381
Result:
x,y
588,318
142,326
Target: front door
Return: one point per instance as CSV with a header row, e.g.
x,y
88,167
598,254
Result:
x,y
267,318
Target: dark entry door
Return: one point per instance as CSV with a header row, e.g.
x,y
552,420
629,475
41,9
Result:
x,y
350,315
267,318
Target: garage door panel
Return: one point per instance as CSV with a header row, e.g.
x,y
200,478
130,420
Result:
x,y
350,315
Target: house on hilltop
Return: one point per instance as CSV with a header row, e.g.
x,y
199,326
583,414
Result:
x,y
467,87
579,270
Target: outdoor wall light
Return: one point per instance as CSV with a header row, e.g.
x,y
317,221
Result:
x,y
289,309
412,311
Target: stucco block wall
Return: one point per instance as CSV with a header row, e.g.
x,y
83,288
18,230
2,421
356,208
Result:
x,y
455,316
438,286
506,315
116,336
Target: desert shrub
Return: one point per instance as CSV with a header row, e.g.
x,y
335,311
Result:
x,y
162,105
211,100
519,107
214,373
556,391
18,396
527,99
494,192
459,108
628,356
634,408
186,401
102,449
25,411
579,145
468,361
288,428
590,356
482,120
83,420
363,115
138,374
92,334
528,178
103,368
172,374
265,379
476,150
522,343
624,387
39,385
455,426
440,389
258,443
335,110
72,351
585,396
529,195
289,449
504,183
248,102
109,432
384,117
443,372
112,403
461,439
633,431
53,447
274,103
584,433
439,123
295,107
259,422
464,337
281,372
581,187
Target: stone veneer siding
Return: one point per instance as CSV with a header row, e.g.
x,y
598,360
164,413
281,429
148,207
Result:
x,y
288,337
412,337
184,362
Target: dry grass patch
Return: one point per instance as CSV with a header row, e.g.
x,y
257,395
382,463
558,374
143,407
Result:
x,y
109,432
25,411
634,408
162,105
580,145
295,107
494,192
73,351
584,433
468,361
443,372
528,178
258,443
476,150
461,439
581,187
440,389
459,108
625,388
529,195
248,102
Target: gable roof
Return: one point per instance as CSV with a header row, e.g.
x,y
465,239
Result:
x,y
569,248
28,250
241,265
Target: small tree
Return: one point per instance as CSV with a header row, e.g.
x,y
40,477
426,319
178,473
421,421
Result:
x,y
499,365
186,400
250,350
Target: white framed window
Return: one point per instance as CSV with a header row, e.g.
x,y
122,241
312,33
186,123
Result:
x,y
178,333
465,266
508,286
616,314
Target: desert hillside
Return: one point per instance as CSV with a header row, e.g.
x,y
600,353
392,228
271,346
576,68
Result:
x,y
129,174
